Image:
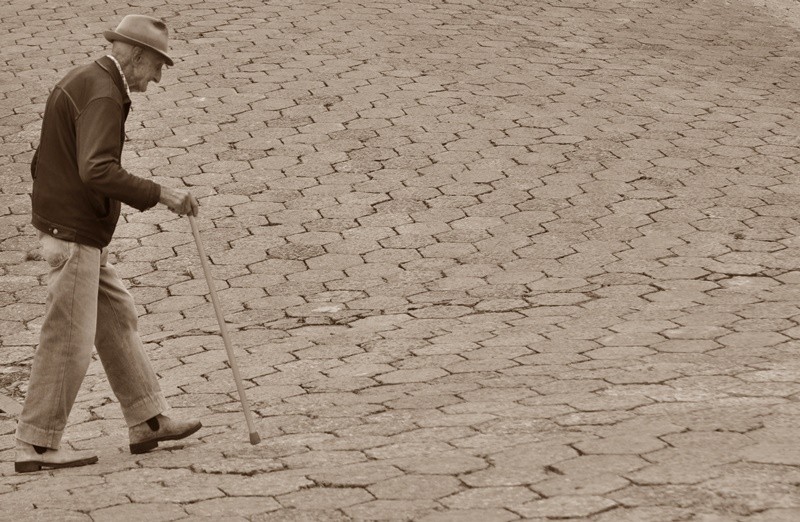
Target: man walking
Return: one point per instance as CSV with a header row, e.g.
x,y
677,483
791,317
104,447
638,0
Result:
x,y
78,185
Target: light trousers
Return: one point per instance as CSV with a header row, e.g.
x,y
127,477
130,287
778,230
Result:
x,y
87,305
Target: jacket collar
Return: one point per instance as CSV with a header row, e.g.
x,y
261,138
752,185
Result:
x,y
121,73
111,68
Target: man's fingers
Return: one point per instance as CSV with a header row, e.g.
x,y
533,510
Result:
x,y
190,205
195,205
180,201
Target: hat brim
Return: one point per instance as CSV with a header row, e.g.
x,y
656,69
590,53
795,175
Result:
x,y
113,36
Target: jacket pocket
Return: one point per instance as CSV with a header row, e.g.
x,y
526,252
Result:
x,y
55,251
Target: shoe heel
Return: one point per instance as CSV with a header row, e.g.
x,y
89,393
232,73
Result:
x,y
27,467
143,447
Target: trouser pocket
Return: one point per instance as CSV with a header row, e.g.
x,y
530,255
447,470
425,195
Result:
x,y
55,251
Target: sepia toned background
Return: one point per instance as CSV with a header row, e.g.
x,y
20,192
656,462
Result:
x,y
481,260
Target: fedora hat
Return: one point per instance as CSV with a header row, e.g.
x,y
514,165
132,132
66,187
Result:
x,y
142,31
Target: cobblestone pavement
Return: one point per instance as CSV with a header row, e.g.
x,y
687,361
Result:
x,y
482,260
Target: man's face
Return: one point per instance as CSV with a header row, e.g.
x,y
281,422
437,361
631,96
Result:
x,y
146,68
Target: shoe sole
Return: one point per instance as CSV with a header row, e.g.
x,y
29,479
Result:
x,y
144,447
38,465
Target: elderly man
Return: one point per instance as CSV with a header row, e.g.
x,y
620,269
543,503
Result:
x,y
78,185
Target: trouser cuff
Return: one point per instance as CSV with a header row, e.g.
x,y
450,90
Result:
x,y
144,409
37,436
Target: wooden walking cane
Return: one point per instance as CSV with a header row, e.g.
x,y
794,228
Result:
x,y
254,438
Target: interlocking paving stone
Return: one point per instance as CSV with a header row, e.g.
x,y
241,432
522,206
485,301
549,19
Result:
x,y
480,260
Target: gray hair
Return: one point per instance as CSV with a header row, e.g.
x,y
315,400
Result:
x,y
123,52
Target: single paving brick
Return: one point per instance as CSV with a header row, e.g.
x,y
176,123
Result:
x,y
232,506
391,509
324,498
566,506
140,512
415,487
513,498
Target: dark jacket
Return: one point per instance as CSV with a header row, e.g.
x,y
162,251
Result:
x,y
78,182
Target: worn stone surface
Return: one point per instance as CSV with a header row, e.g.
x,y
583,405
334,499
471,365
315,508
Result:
x,y
480,260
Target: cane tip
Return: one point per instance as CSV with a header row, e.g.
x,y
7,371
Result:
x,y
254,438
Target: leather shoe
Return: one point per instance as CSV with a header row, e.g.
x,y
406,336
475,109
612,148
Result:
x,y
35,458
147,435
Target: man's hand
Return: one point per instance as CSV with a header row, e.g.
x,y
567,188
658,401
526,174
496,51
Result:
x,y
179,201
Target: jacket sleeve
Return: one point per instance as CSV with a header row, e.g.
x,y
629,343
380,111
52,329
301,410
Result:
x,y
99,149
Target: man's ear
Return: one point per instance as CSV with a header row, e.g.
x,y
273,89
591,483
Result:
x,y
137,54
